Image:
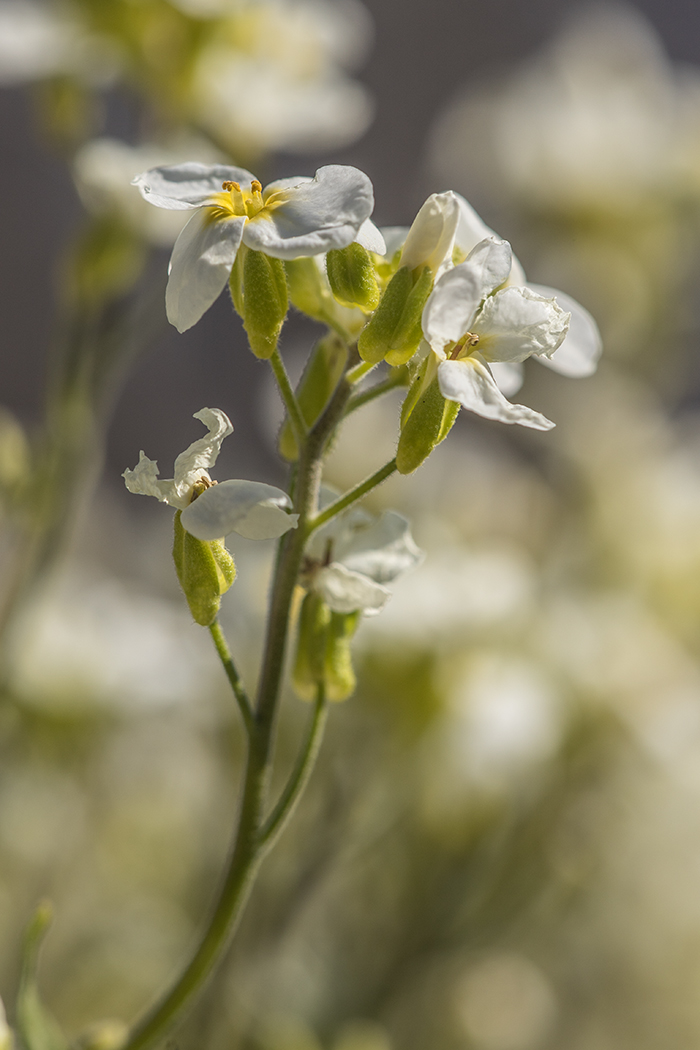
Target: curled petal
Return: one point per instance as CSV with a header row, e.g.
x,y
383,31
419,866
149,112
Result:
x,y
452,305
430,240
143,481
250,508
183,186
383,550
491,258
194,462
515,323
509,377
313,217
345,591
471,384
371,238
200,266
580,352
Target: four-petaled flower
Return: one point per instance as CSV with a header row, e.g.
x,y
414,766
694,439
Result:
x,y
288,219
349,560
210,510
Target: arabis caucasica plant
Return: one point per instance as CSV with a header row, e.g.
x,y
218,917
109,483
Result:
x,y
436,309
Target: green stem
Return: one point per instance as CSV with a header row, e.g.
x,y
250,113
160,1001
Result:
x,y
353,495
299,776
232,674
397,378
354,375
288,396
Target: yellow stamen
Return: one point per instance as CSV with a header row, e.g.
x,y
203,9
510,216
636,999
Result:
x,y
469,339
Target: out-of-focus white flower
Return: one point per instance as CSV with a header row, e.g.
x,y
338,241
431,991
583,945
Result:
x,y
349,561
291,218
38,41
210,510
104,168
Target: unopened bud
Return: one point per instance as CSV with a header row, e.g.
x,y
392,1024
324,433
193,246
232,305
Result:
x,y
205,570
319,379
265,301
394,330
352,278
426,421
309,669
339,676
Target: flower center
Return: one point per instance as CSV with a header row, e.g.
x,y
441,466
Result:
x,y
468,340
200,486
234,201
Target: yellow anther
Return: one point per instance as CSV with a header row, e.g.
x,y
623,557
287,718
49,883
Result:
x,y
255,186
471,339
230,186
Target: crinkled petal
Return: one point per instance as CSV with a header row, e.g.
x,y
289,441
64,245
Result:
x,y
345,591
580,352
194,462
383,550
370,238
183,186
471,384
143,481
452,305
313,217
515,323
250,508
200,266
431,237
509,377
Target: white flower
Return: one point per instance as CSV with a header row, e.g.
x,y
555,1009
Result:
x,y
250,508
349,561
469,308
288,219
431,238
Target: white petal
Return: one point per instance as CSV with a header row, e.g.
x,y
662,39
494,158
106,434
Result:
x,y
194,462
471,229
183,186
452,305
383,550
200,266
394,239
515,323
345,591
370,238
578,355
250,508
509,377
313,217
430,239
143,481
471,384
492,259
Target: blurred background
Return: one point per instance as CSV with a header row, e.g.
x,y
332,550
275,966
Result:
x,y
500,849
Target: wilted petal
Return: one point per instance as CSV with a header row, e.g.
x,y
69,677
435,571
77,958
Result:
x,y
509,377
184,186
371,238
431,237
250,508
383,550
452,305
143,481
313,217
471,384
580,352
345,591
191,464
200,266
515,323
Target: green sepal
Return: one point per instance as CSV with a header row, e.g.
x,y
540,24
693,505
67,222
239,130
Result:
x,y
306,289
394,330
319,379
428,423
37,1028
339,676
352,278
265,301
235,281
309,662
205,570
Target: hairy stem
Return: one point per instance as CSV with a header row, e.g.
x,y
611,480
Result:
x,y
353,495
232,674
288,396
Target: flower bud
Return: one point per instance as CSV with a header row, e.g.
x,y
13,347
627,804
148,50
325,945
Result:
x,y
394,330
205,570
265,301
306,287
352,278
309,663
426,420
323,369
339,675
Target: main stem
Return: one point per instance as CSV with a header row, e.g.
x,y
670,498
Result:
x,y
249,845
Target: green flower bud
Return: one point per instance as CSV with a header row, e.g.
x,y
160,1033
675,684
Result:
x,y
339,675
426,420
205,571
352,278
265,301
306,287
323,369
394,330
309,663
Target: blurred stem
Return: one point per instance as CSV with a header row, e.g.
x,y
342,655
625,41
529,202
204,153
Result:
x,y
398,377
249,847
353,495
232,674
275,823
288,396
357,373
